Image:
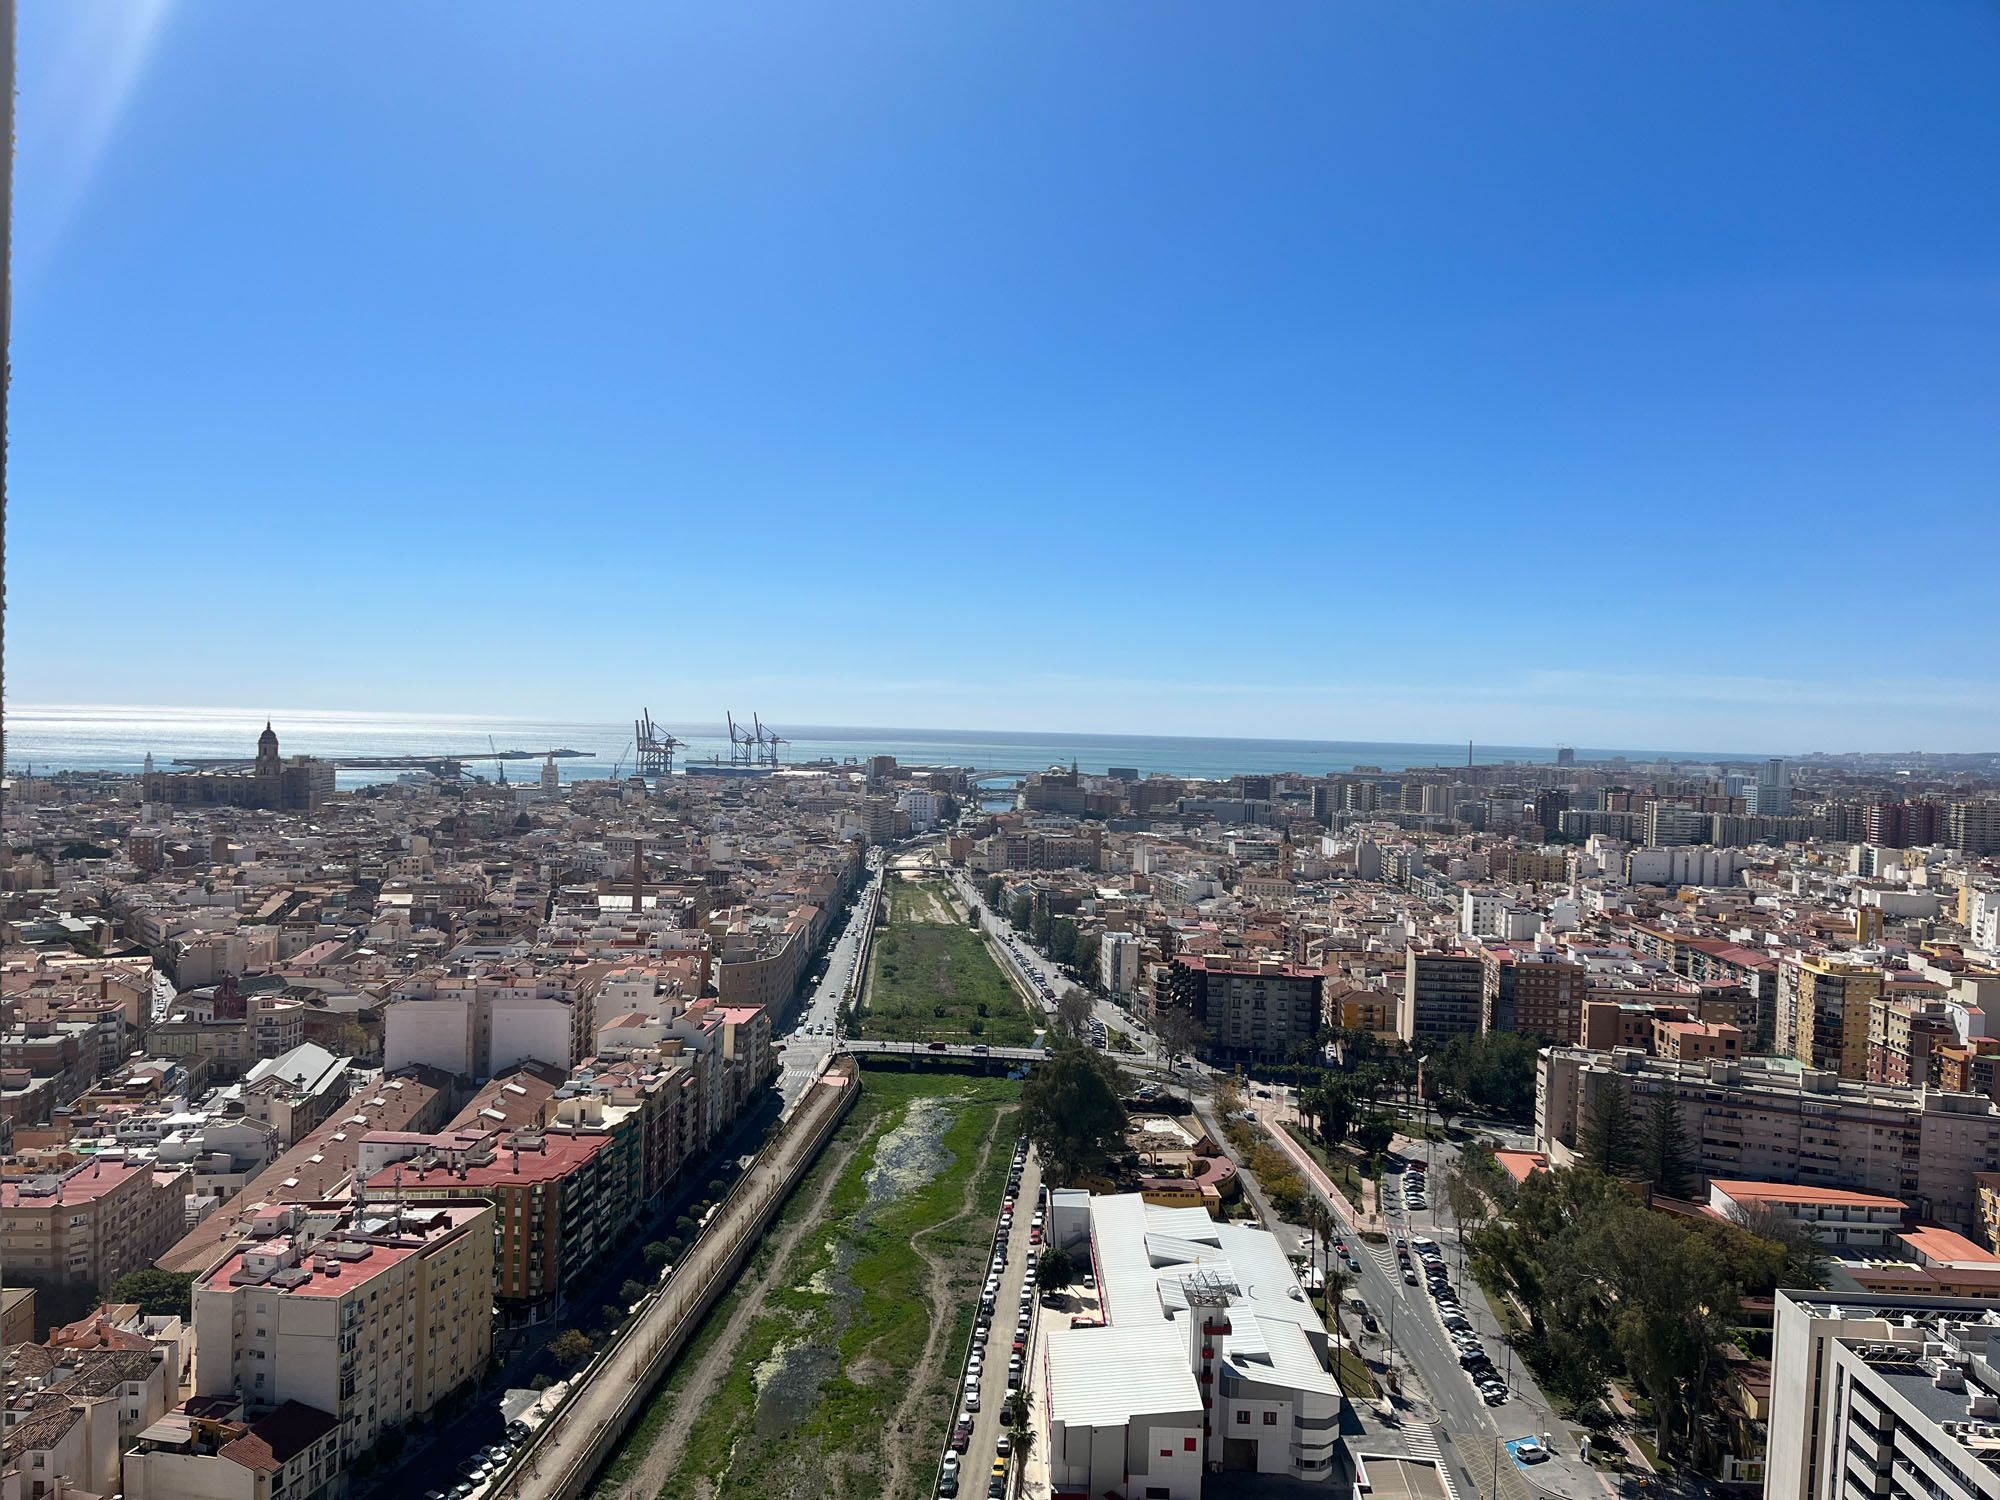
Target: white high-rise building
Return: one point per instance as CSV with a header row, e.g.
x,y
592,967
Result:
x,y
1118,962
1878,1396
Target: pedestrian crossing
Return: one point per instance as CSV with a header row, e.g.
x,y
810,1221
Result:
x,y
1420,1441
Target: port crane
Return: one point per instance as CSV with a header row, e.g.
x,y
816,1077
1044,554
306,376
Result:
x,y
653,746
768,741
743,742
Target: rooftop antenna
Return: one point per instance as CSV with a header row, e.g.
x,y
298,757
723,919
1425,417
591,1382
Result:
x,y
1468,755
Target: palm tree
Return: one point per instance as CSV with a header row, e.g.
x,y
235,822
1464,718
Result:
x,y
1023,1434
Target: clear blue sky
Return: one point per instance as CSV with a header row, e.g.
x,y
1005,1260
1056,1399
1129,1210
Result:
x,y
1621,374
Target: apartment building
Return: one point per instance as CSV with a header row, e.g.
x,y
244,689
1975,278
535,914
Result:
x,y
561,1198
1768,1120
1254,1009
1884,1397
91,1224
1905,1037
1823,1012
372,1314
1444,993
1695,1041
1973,825
476,1024
209,1448
1533,991
320,1166
1118,962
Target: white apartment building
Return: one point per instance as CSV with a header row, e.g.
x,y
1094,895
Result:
x,y
369,1314
1483,914
478,1024
1118,963
1210,1357
922,807
1884,1397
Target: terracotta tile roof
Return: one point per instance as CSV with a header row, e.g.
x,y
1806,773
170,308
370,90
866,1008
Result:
x,y
279,1437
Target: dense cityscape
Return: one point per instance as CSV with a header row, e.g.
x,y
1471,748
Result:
x,y
516,1136
1365,858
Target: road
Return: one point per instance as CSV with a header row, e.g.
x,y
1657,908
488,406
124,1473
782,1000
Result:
x,y
810,1034
1413,1338
1035,969
977,1463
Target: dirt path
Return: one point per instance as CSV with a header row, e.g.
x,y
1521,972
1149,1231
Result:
x,y
937,1292
653,1471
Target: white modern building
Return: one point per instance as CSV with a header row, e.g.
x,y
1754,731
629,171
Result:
x,y
1118,963
1209,1357
1884,1397
921,805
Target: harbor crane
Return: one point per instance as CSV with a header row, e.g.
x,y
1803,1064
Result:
x,y
768,741
743,743
654,747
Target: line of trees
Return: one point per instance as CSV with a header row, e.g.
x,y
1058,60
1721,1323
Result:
x,y
1611,1285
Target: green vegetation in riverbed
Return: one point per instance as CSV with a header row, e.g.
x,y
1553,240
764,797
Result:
x,y
812,1394
935,981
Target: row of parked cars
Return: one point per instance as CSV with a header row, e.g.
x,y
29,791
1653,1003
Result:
x,y
1416,1191
485,1464
974,1380
1472,1355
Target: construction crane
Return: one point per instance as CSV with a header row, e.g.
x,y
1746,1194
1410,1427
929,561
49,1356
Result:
x,y
501,764
768,741
619,764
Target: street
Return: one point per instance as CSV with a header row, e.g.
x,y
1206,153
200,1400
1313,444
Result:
x,y
812,1030
1412,1338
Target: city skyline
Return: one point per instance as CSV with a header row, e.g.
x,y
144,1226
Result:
x,y
1322,379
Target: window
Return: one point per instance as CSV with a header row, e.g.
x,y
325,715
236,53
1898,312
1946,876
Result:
x,y
1243,1419
1270,1419
1188,1444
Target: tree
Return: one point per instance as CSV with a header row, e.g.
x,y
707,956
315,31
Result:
x,y
1665,1156
1801,1260
1227,1097
993,892
1606,1141
1021,913
1373,1135
658,1256
632,1291
1088,947
1073,1012
1070,1110
1463,1197
1180,1031
160,1294
1041,926
1056,1269
1494,1072
570,1348
1062,940
1022,1434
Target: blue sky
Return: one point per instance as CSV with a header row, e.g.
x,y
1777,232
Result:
x,y
1611,374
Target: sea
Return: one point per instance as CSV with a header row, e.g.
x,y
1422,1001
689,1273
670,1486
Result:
x,y
48,738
